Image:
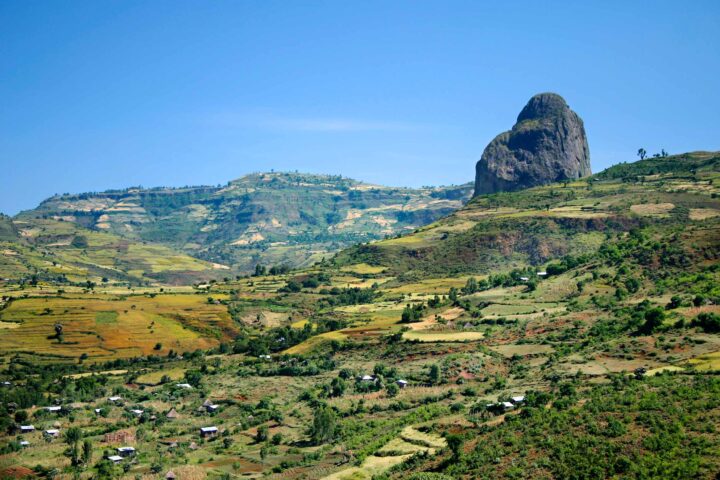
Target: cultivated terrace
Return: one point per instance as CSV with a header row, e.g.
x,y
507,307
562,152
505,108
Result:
x,y
564,331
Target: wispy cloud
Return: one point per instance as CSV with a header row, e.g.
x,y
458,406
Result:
x,y
304,124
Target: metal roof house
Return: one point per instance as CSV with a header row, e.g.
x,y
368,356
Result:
x,y
126,451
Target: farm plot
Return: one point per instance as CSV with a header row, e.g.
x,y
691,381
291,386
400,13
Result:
x,y
108,327
448,336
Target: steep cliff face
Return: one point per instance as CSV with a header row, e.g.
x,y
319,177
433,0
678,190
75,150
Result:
x,y
547,144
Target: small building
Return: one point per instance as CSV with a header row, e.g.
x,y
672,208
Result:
x,y
367,378
186,386
264,357
137,412
27,428
208,432
126,451
542,274
115,458
53,409
52,433
212,408
114,399
172,414
402,383
170,475
507,406
98,411
6,384
524,279
120,437
24,443
517,400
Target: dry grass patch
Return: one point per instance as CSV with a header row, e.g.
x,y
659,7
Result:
x,y
703,213
652,209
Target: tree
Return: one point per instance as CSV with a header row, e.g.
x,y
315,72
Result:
x,y
708,322
262,434
455,443
435,375
324,425
87,452
653,319
337,387
21,416
392,390
471,286
452,295
642,153
73,435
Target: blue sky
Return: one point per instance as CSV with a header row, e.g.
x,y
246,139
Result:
x,y
106,94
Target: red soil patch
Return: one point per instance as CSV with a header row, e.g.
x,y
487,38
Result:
x,y
17,471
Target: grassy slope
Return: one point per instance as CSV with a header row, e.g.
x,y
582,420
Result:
x,y
533,226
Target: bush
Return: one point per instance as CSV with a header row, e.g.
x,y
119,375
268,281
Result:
x,y
708,322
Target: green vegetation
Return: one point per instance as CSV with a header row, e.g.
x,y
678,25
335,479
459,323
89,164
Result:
x,y
598,301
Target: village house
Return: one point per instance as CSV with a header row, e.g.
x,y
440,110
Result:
x,y
186,386
53,409
542,274
208,432
114,399
136,412
170,475
114,458
402,383
126,451
172,414
367,378
52,433
517,400
27,428
24,443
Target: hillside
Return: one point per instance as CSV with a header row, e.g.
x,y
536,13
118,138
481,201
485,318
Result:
x,y
577,338
530,227
270,218
65,252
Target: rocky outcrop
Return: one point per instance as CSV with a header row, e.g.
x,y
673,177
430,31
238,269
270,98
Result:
x,y
547,144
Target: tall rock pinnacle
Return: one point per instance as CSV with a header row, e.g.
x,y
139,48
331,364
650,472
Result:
x,y
547,144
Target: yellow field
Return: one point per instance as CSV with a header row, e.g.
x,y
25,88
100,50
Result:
x,y
153,378
363,269
107,327
313,342
707,362
425,336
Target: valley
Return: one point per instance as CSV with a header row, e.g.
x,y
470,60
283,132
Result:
x,y
595,300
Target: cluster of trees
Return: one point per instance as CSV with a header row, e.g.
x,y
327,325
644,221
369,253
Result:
x,y
281,338
628,429
348,296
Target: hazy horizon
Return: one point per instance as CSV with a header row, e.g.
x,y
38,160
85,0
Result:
x,y
99,96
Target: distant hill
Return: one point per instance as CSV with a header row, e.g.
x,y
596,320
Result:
x,y
680,193
62,251
269,218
